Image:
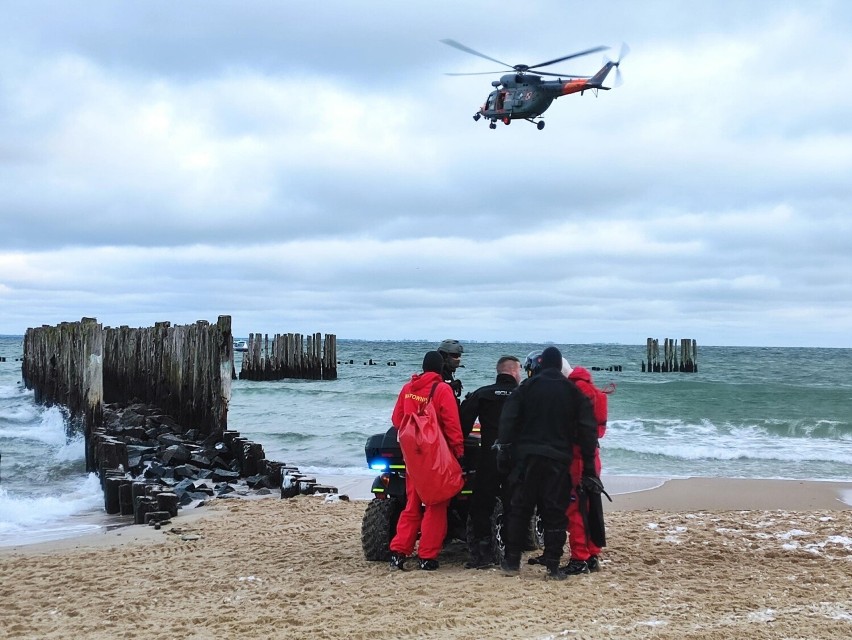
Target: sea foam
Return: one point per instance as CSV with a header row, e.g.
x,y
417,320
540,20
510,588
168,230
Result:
x,y
22,514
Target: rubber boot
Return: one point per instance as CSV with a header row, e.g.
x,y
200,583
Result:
x,y
511,565
554,544
553,571
475,555
481,554
486,550
594,564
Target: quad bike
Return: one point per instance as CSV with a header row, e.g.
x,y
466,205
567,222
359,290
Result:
x,y
378,526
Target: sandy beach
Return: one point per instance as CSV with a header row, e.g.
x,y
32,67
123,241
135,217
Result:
x,y
695,558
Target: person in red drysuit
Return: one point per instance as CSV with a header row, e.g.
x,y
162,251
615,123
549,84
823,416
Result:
x,y
431,522
584,552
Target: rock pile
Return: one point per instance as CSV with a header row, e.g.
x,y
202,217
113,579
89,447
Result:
x,y
150,465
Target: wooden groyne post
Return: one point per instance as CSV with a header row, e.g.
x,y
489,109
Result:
x,y
682,357
185,370
64,365
290,355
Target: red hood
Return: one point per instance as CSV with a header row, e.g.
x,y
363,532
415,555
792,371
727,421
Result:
x,y
580,373
421,383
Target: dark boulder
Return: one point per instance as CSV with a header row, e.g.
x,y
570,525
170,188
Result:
x,y
186,471
221,475
183,486
175,454
169,439
259,482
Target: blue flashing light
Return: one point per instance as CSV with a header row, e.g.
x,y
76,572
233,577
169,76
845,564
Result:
x,y
379,465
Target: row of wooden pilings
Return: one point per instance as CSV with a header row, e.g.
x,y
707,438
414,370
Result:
x,y
152,404
290,355
681,357
184,370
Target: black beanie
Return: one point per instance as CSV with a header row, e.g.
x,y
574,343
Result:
x,y
551,358
434,362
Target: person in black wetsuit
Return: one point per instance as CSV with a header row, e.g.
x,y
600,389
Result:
x,y
486,403
451,351
539,425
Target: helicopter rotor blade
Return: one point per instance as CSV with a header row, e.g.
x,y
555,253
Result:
x,y
567,76
461,47
476,73
619,80
568,57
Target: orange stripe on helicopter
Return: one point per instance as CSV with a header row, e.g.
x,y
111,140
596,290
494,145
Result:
x,y
573,86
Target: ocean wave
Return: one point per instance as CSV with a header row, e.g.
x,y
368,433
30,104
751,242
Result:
x,y
19,413
14,392
809,428
725,452
47,426
19,511
338,471
284,436
73,450
804,442
770,430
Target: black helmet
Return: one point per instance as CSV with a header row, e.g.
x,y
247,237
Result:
x,y
532,365
451,347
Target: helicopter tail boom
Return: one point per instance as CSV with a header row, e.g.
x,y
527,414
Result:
x,y
595,82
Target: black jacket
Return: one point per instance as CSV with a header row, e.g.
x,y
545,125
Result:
x,y
449,377
545,416
486,403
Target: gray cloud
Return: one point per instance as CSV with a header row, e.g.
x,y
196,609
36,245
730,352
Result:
x,y
311,168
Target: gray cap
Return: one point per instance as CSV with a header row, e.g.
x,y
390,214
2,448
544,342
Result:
x,y
453,347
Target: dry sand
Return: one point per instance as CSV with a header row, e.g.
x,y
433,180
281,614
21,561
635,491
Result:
x,y
680,564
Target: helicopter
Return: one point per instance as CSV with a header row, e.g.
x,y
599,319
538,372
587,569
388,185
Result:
x,y
525,94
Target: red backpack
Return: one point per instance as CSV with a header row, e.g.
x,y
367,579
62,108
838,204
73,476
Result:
x,y
430,465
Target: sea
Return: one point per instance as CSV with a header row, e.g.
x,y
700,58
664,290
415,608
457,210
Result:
x,y
747,412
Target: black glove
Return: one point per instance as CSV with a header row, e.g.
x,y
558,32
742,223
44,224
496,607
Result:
x,y
503,458
593,484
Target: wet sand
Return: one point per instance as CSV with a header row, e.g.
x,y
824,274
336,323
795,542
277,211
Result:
x,y
695,558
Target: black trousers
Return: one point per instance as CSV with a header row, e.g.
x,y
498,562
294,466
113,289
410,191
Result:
x,y
486,486
545,483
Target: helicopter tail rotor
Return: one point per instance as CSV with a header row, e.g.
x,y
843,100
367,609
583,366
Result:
x,y
619,80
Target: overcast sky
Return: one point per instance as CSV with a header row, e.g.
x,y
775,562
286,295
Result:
x,y
308,167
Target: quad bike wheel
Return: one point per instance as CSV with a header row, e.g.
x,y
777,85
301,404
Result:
x,y
535,533
378,527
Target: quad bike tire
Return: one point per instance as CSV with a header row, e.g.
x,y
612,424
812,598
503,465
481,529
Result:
x,y
535,533
378,527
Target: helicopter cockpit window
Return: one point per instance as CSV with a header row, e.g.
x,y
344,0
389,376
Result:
x,y
489,104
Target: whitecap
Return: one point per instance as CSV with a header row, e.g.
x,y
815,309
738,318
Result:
x,y
20,514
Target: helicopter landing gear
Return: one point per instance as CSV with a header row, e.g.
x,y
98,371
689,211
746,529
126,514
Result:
x,y
492,124
476,117
539,125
